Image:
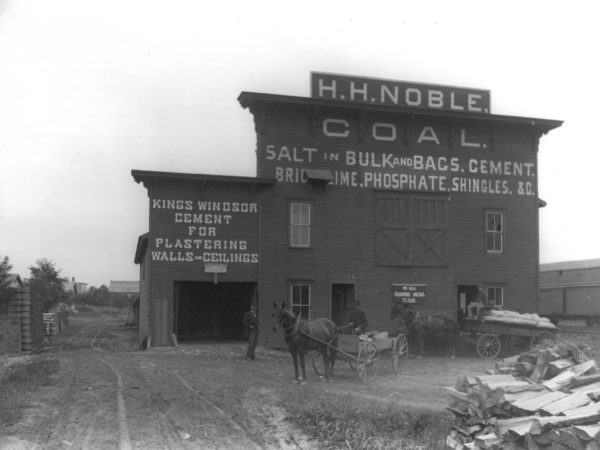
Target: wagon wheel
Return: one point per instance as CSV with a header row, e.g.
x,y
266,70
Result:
x,y
399,353
488,346
318,363
368,362
543,339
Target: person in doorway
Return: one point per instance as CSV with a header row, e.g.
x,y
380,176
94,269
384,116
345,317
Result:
x,y
358,319
250,321
479,302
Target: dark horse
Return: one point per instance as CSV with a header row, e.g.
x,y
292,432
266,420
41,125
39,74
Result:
x,y
418,326
302,336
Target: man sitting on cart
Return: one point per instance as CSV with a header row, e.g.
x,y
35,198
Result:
x,y
358,319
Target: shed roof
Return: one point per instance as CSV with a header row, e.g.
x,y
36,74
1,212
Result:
x,y
146,176
571,265
124,287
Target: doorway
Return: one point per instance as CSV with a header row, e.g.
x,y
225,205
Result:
x,y
465,294
209,311
342,296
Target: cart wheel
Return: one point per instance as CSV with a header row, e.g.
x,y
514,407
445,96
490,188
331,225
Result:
x,y
368,362
488,346
318,363
544,339
399,353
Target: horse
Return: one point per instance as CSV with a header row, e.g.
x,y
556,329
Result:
x,y
419,325
302,336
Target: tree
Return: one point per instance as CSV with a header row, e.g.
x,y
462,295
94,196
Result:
x,y
46,287
5,294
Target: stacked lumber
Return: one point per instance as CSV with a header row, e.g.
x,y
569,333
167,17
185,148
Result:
x,y
544,399
506,316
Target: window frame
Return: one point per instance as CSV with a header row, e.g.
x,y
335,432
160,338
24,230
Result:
x,y
493,234
491,292
298,308
307,227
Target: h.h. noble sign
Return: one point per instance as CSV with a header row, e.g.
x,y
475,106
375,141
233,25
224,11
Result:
x,y
405,94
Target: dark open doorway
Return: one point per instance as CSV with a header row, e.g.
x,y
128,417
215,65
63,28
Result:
x,y
342,296
206,310
465,294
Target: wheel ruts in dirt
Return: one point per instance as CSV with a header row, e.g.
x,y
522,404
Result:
x,y
368,362
399,353
488,346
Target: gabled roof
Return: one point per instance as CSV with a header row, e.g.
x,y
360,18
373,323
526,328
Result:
x,y
571,265
124,287
14,280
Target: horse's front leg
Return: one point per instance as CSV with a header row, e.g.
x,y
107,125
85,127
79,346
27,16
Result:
x,y
295,359
303,378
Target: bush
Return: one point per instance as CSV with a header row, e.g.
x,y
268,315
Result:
x,y
18,384
349,423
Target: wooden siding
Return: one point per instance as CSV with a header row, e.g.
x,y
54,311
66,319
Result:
x,y
344,228
163,274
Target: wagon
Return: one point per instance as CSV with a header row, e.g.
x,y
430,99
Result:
x,y
364,353
492,336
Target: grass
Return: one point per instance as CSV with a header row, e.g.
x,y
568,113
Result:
x,y
350,423
18,385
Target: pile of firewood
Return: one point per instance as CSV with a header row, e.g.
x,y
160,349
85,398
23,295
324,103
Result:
x,y
543,399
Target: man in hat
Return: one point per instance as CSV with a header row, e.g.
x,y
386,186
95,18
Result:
x,y
358,319
250,321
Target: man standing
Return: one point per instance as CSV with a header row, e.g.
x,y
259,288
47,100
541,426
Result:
x,y
250,321
358,319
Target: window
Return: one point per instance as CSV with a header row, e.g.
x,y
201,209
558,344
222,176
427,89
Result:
x,y
300,299
300,224
495,295
494,231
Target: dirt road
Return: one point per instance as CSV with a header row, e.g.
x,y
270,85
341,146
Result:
x,y
109,394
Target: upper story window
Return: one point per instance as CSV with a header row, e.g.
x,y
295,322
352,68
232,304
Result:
x,y
300,220
494,231
300,299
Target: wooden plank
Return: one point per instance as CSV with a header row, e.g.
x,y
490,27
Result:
x,y
587,432
588,388
572,401
537,403
564,378
590,408
567,438
486,440
585,380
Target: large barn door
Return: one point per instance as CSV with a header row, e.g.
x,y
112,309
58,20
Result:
x,y
411,230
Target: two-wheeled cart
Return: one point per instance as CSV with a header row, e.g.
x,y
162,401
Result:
x,y
491,337
364,353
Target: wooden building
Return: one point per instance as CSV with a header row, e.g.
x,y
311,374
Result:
x,y
369,190
571,290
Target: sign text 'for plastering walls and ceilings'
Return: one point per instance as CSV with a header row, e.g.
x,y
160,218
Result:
x,y
198,232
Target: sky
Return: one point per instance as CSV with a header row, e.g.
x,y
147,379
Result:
x,y
91,90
